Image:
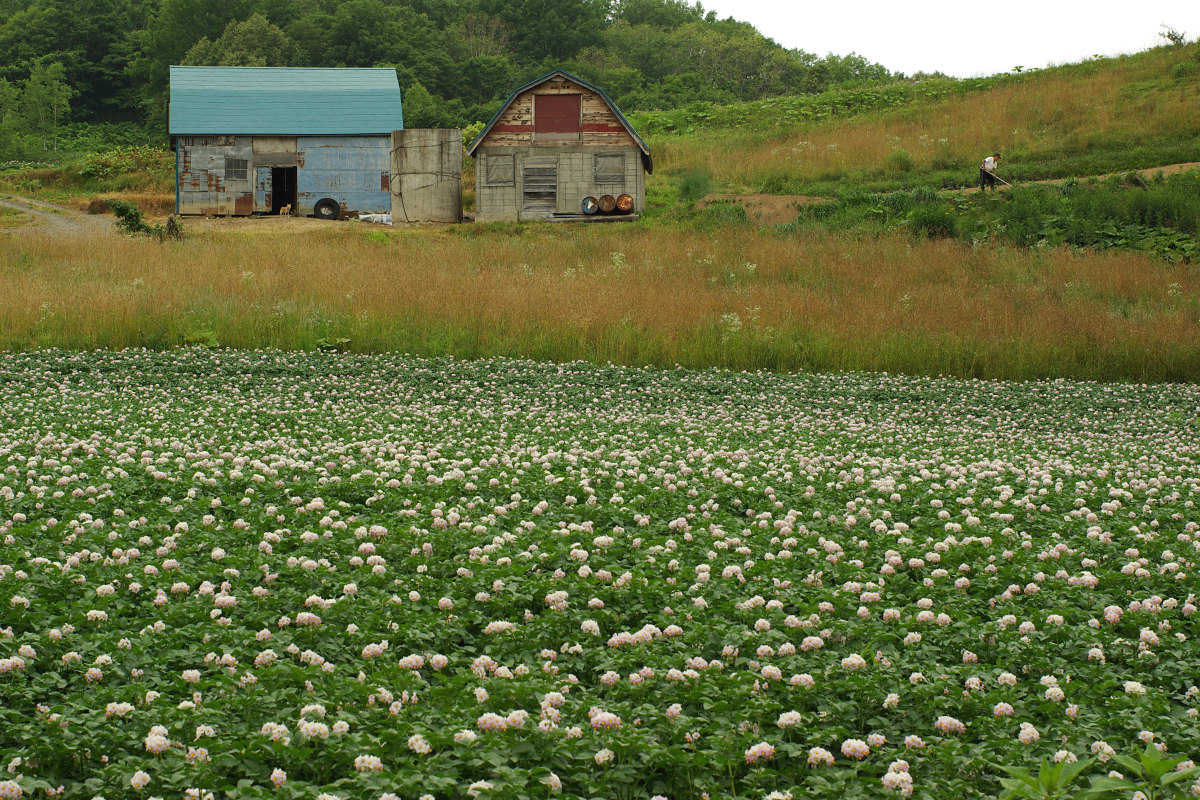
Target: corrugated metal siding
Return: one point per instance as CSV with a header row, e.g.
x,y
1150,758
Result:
x,y
351,170
203,187
348,169
262,189
284,100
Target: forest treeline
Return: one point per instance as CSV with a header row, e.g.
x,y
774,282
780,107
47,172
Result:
x,y
95,63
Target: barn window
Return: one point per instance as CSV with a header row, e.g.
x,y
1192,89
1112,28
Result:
x,y
556,113
500,170
236,168
609,167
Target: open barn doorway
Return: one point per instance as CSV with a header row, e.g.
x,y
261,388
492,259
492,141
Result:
x,y
283,188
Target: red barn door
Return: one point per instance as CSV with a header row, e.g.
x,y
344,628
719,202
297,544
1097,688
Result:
x,y
556,113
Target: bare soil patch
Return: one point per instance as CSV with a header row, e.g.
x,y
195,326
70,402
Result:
x,y
37,215
764,209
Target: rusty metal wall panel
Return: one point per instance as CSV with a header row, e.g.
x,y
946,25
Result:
x,y
262,190
274,144
276,151
203,185
345,169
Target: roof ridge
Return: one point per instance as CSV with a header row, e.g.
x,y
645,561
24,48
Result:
x,y
586,84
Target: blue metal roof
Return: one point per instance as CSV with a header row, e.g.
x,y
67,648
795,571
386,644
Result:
x,y
284,101
646,159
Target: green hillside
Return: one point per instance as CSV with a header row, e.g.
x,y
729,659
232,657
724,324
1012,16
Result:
x,y
81,76
1095,117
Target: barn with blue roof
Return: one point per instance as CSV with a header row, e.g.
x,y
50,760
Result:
x,y
270,140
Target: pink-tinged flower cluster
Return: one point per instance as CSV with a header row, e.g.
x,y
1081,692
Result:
x,y
491,722
600,719
411,662
375,649
947,725
763,751
856,749
898,779
820,757
368,763
789,719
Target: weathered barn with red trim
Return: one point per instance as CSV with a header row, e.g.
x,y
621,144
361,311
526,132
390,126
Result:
x,y
555,143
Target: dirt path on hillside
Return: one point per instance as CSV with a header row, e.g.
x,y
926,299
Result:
x,y
39,216
45,217
1169,169
779,209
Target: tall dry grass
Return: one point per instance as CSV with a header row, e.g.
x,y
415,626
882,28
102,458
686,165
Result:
x,y
616,293
1117,104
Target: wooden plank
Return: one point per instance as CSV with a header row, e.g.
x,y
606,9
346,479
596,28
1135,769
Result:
x,y
539,187
556,113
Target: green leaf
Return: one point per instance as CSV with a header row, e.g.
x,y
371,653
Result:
x,y
1180,775
1070,770
1129,763
1104,786
1047,775
1015,787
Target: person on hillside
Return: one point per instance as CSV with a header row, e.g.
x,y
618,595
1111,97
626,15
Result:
x,y
987,172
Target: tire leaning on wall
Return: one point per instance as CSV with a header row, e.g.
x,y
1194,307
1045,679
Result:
x,y
325,208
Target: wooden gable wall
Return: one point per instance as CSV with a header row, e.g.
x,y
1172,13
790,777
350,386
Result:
x,y
598,124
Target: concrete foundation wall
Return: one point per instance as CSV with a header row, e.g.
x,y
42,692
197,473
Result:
x,y
500,174
426,180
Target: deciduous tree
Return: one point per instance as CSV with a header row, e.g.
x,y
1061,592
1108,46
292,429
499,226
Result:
x,y
45,101
254,42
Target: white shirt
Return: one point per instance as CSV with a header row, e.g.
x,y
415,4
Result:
x,y
989,165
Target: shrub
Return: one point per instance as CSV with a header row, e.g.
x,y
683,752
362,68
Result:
x,y
1186,69
935,220
130,220
123,160
694,184
899,160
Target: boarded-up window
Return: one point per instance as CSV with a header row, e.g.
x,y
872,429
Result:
x,y
235,169
556,113
610,167
500,170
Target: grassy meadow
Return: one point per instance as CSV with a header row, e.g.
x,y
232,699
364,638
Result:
x,y
738,298
1089,280
1105,115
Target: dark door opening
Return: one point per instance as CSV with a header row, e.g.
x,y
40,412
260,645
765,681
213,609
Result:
x,y
283,188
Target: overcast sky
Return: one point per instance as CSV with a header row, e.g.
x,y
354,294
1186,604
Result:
x,y
962,38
